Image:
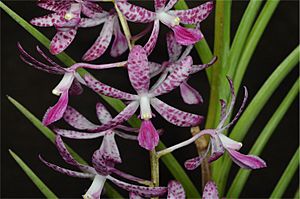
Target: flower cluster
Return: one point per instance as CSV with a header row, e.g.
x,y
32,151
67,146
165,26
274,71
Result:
x,y
67,17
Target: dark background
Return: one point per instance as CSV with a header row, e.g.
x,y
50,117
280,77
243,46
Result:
x,y
32,88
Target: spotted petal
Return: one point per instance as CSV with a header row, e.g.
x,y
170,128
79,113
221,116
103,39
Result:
x,y
102,42
92,10
106,90
138,69
135,13
170,4
159,4
175,190
91,22
140,190
55,6
76,88
180,74
66,171
77,134
246,161
210,191
65,154
217,148
77,120
46,21
102,113
193,163
195,15
56,112
155,68
120,118
133,195
149,46
197,68
174,48
175,116
62,40
120,44
189,94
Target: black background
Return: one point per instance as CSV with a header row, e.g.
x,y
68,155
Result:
x,y
32,88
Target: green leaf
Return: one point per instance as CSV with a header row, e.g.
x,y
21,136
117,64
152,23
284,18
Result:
x,y
241,35
111,192
118,105
34,178
286,177
255,106
202,47
263,138
297,194
252,41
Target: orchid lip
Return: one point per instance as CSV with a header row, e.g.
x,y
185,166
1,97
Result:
x,y
64,84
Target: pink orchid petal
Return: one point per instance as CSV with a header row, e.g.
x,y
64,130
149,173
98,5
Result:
x,y
56,112
128,129
229,143
217,148
120,118
175,116
68,158
77,120
175,190
66,171
92,10
223,109
78,135
148,137
180,74
170,4
102,42
55,6
195,15
135,13
197,68
159,4
174,48
46,21
106,90
103,115
62,40
139,190
28,59
138,69
49,60
95,190
120,44
155,68
72,22
246,161
133,195
149,46
193,163
127,176
186,36
189,94
91,22
210,191
76,88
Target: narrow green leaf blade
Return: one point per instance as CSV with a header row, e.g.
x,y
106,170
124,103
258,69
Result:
x,y
255,106
34,178
242,35
263,138
297,194
252,41
287,176
111,192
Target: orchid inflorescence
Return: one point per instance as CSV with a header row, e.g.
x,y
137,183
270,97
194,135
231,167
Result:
x,y
69,15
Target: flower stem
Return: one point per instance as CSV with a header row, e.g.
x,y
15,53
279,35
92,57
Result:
x,y
125,26
202,144
154,163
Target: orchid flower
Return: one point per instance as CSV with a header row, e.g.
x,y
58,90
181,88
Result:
x,y
171,18
210,191
188,93
78,121
111,27
139,75
103,161
66,19
70,82
220,142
